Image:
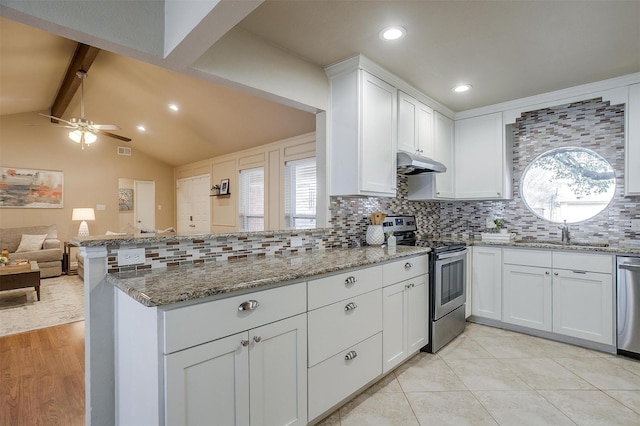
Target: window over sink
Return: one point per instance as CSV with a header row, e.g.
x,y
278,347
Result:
x,y
572,184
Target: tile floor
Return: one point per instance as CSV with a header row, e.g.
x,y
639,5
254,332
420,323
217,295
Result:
x,y
489,376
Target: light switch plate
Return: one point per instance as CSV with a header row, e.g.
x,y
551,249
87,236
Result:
x,y
132,256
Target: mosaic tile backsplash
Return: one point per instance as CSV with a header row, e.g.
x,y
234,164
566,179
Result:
x,y
592,124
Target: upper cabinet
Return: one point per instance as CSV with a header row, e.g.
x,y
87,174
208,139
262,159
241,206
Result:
x,y
363,131
443,152
482,160
415,126
632,175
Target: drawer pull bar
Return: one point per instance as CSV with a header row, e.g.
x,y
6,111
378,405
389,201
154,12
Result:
x,y
257,339
350,355
408,266
579,272
350,306
249,305
350,280
244,343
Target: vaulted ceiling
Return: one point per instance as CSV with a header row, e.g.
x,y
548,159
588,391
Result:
x,y
504,49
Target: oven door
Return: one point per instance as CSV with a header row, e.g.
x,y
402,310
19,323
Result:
x,y
449,282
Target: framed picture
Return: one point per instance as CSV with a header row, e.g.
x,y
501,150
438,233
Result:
x,y
125,199
31,188
224,186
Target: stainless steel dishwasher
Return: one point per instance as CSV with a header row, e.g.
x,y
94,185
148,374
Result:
x,y
629,306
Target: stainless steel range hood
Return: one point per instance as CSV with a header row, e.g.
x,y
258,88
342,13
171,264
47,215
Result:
x,y
413,164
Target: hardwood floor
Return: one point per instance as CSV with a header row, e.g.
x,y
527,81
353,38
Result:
x,y
42,377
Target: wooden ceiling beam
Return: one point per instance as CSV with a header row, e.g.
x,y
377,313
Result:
x,y
82,60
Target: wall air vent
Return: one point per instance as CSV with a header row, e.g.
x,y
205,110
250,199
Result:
x,y
124,150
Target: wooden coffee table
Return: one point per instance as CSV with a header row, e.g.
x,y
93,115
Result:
x,y
22,279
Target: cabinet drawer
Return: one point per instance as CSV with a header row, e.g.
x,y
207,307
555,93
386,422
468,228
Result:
x,y
404,269
602,263
195,324
324,291
540,258
338,326
336,378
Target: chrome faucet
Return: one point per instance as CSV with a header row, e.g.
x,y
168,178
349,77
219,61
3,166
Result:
x,y
565,232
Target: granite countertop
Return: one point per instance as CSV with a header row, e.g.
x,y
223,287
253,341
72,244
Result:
x,y
160,287
553,245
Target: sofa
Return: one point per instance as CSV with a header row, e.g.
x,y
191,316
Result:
x,y
48,256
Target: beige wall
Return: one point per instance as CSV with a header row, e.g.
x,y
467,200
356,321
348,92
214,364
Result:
x,y
90,175
224,210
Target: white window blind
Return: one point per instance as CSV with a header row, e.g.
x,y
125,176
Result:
x,y
251,199
300,194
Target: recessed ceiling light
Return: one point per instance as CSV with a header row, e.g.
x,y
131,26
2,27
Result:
x,y
173,107
393,33
461,88
141,128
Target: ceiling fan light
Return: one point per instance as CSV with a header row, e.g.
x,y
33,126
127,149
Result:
x,y
76,136
89,138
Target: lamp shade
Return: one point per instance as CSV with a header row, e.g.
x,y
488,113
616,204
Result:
x,y
83,214
77,135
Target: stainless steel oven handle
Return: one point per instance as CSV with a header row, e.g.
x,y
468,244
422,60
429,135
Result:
x,y
452,254
629,267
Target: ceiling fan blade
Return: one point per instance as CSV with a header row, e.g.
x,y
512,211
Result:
x,y
59,119
106,127
113,135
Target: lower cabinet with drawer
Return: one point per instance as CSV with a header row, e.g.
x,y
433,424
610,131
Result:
x,y
561,292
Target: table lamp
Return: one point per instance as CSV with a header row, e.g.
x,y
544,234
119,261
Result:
x,y
83,214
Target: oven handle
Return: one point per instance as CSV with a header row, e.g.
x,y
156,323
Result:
x,y
456,253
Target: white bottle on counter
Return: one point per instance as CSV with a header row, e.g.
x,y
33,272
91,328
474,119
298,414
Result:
x,y
391,241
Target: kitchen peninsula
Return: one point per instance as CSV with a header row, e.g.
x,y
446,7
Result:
x,y
157,335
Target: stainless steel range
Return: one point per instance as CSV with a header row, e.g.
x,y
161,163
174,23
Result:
x,y
447,278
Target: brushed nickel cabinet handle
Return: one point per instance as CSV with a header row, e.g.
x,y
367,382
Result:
x,y
249,305
244,343
350,306
257,339
408,266
350,355
350,280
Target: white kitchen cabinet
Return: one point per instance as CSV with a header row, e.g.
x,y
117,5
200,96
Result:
x,y
486,299
443,152
482,162
436,186
583,298
562,292
405,312
363,134
527,296
632,145
254,377
415,126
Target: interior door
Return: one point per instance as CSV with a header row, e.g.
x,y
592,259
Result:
x,y
144,201
193,205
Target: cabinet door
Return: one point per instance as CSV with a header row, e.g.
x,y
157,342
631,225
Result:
x,y
417,313
479,157
378,137
486,286
208,384
632,155
278,366
424,130
583,305
527,296
443,152
394,330
407,126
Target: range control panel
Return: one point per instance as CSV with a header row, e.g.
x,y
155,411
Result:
x,y
399,224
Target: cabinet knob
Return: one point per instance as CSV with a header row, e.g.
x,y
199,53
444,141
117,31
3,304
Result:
x,y
350,355
555,273
350,280
498,193
244,343
408,266
546,273
257,339
350,306
249,305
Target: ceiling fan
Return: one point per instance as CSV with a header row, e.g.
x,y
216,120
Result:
x,y
85,131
